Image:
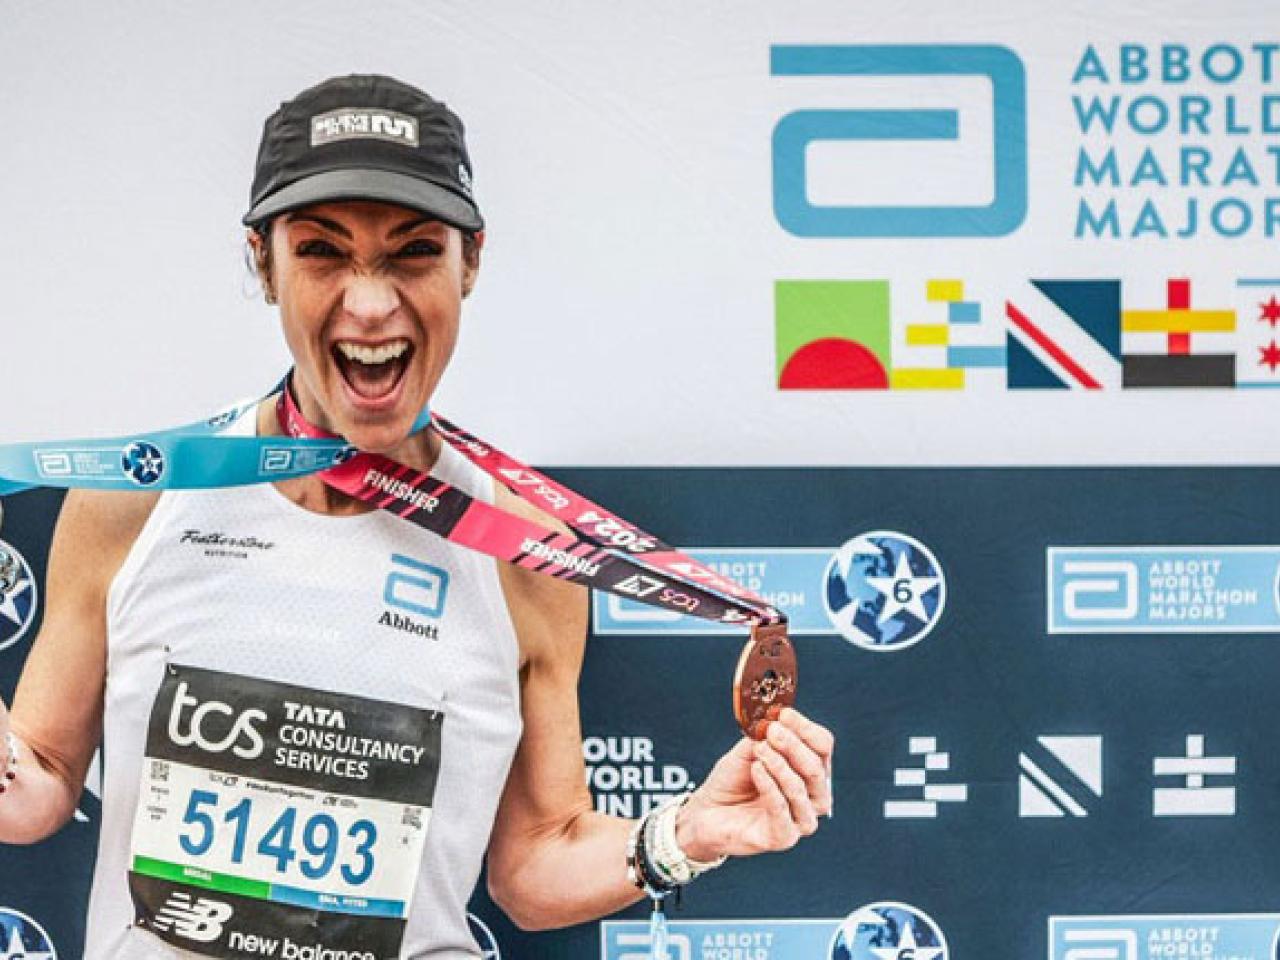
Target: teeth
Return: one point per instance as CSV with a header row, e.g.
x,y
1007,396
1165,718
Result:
x,y
373,355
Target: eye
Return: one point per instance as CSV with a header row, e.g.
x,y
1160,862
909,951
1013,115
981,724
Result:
x,y
419,248
317,248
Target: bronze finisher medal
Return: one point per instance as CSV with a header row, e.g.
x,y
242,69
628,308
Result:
x,y
765,680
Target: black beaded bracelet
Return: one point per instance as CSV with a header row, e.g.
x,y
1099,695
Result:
x,y
640,869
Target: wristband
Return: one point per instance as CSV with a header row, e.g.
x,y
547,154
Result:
x,y
640,869
663,849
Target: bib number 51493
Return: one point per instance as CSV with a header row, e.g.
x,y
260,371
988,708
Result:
x,y
319,835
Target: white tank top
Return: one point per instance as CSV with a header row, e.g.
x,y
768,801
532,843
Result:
x,y
333,604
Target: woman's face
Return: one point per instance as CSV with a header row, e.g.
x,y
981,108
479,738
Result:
x,y
370,296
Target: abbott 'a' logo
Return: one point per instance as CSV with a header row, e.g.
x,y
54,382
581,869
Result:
x,y
229,737
639,946
962,208
200,920
1105,943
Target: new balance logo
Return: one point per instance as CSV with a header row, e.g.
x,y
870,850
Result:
x,y
639,586
200,920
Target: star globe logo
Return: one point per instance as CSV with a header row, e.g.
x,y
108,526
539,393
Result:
x,y
888,931
21,938
17,596
142,462
884,591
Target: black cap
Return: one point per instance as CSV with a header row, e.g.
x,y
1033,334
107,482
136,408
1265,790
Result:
x,y
364,137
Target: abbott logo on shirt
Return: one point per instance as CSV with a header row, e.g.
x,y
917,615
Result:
x,y
416,587
241,727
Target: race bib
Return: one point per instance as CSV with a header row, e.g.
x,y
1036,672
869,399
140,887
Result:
x,y
279,821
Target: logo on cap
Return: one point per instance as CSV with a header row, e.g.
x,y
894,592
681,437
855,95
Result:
x,y
361,123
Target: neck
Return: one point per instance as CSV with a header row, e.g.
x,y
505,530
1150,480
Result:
x,y
419,450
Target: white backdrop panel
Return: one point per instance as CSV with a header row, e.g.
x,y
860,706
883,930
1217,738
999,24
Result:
x,y
625,312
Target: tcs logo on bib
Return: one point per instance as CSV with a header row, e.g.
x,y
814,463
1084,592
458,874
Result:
x,y
235,733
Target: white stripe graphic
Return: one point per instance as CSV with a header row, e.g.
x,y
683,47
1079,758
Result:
x,y
1047,785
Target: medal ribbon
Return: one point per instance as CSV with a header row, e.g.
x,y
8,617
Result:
x,y
604,552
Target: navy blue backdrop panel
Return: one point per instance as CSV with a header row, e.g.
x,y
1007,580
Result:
x,y
1029,726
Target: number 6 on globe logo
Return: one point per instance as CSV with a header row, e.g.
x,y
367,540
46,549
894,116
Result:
x,y
884,591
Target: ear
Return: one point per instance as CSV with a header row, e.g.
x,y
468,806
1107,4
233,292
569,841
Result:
x,y
471,261
262,263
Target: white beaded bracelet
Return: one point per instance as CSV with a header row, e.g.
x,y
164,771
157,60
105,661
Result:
x,y
664,849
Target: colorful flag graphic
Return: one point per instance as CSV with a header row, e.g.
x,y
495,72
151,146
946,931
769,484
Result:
x,y
832,334
1184,361
1064,334
946,352
1258,316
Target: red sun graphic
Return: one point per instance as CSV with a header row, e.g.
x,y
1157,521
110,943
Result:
x,y
833,364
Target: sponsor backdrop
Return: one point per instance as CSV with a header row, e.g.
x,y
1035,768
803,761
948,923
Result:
x,y
965,329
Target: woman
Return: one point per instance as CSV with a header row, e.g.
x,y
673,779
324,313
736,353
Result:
x,y
316,718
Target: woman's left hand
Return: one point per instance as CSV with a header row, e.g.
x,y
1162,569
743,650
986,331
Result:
x,y
761,795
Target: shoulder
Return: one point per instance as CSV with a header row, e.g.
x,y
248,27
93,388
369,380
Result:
x,y
108,515
549,615
96,529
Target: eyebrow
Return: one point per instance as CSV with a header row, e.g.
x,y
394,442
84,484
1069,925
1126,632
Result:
x,y
331,225
410,225
336,227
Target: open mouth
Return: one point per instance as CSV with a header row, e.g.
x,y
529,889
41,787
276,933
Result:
x,y
373,372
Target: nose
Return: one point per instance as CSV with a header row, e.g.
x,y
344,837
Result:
x,y
370,299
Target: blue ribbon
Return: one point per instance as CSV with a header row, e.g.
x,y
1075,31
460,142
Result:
x,y
195,456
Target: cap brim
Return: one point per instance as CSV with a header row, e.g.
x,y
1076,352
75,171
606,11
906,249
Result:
x,y
364,184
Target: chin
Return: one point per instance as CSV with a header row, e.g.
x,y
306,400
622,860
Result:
x,y
381,438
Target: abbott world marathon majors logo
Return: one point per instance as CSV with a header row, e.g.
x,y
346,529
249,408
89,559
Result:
x,y
884,930
888,931
1165,589
1208,936
881,590
625,777
17,596
22,938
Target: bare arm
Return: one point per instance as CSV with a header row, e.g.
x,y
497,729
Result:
x,y
553,861
57,710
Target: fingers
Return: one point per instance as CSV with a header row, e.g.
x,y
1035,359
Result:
x,y
743,750
775,802
800,813
817,737
806,747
